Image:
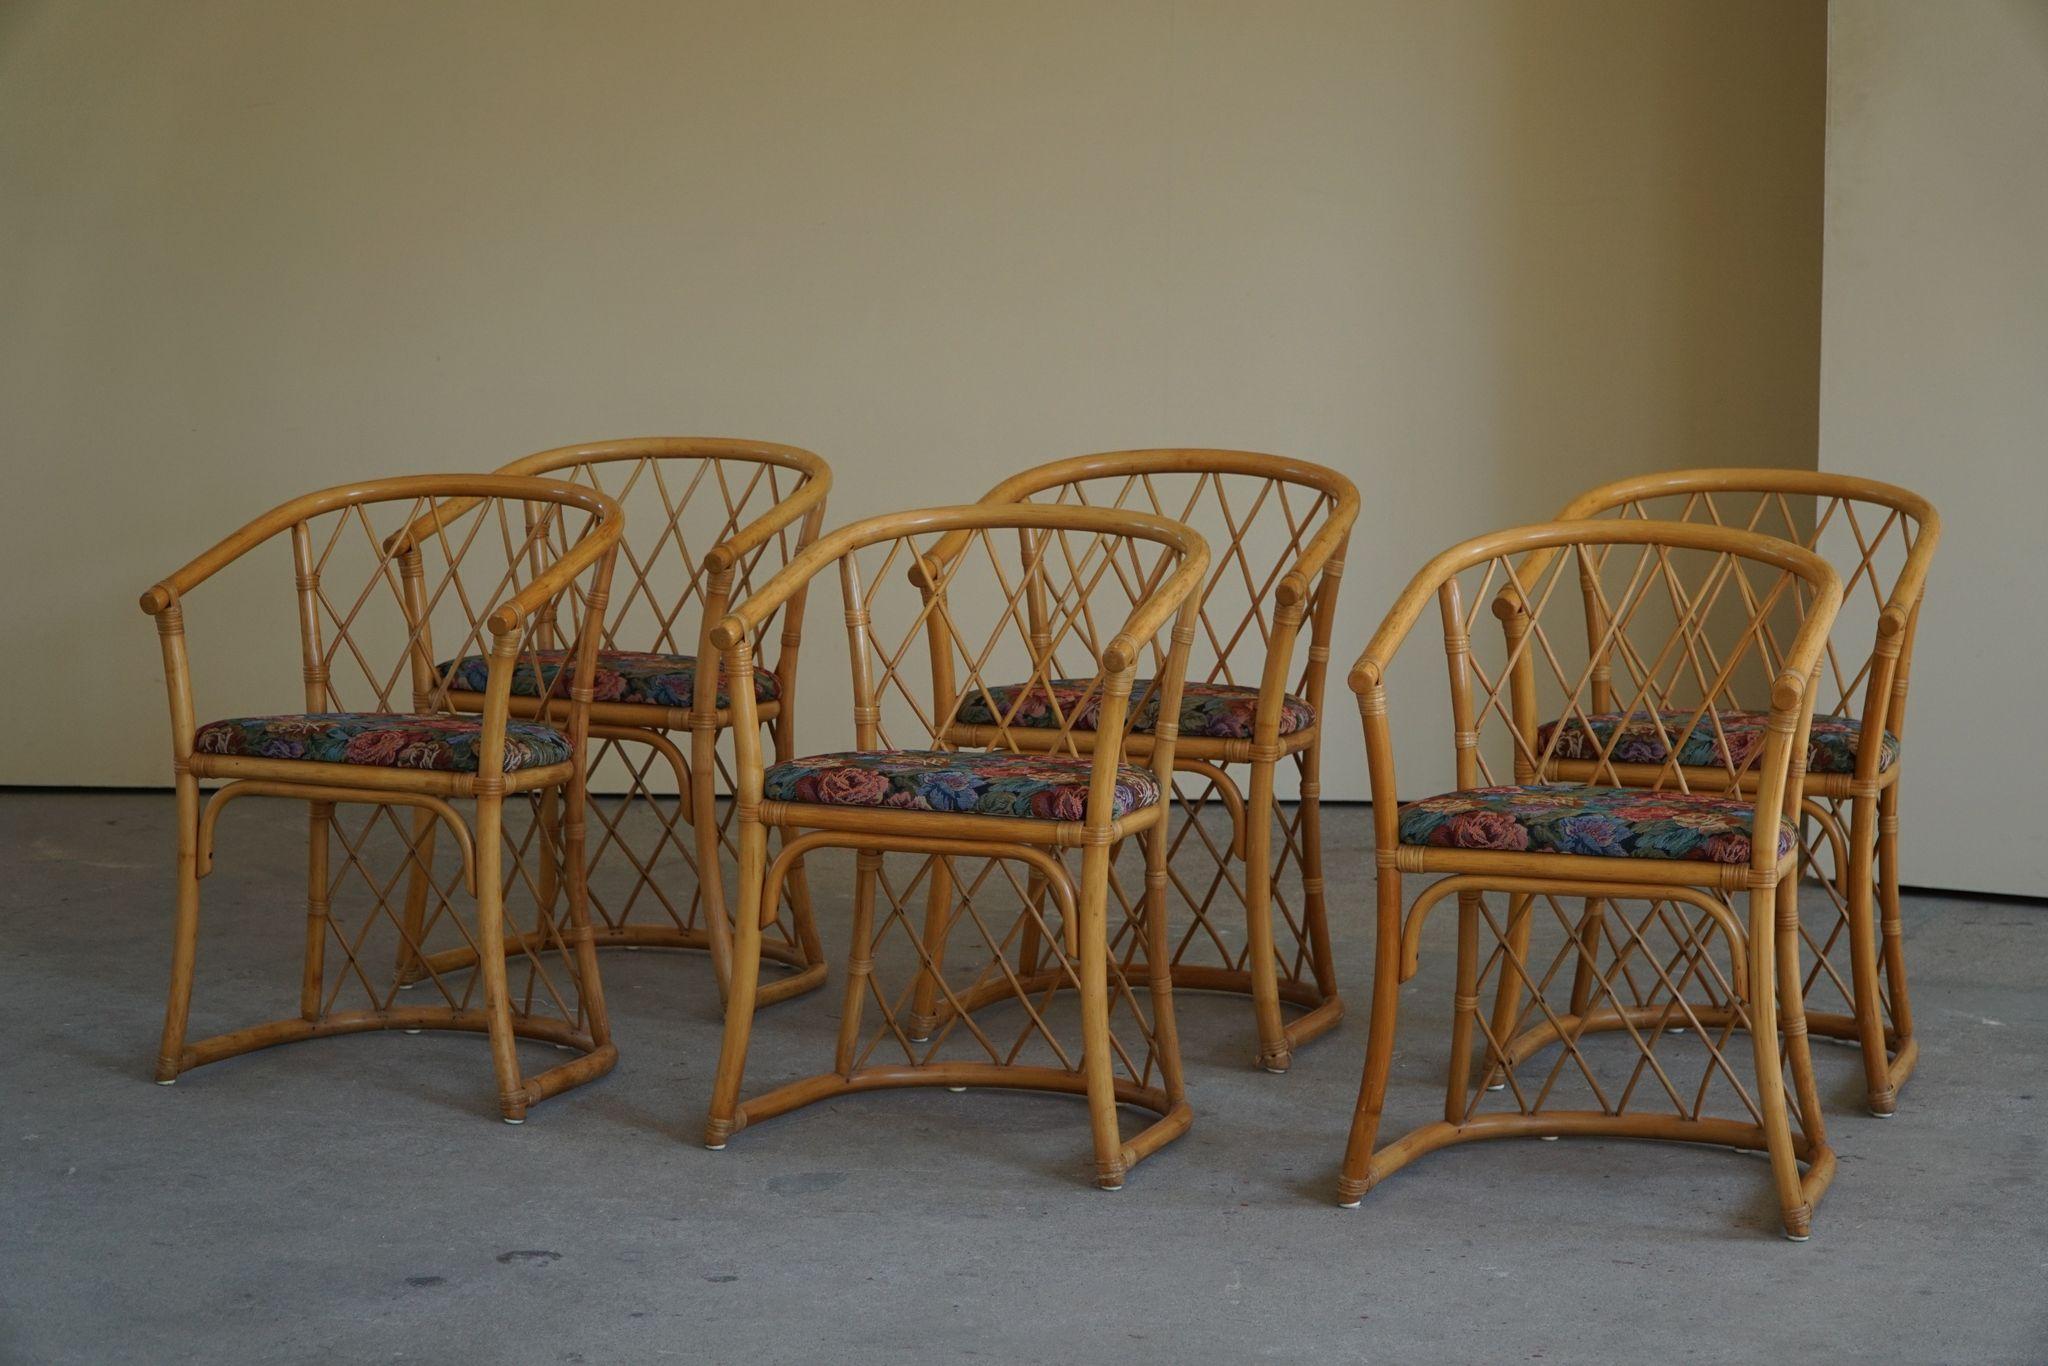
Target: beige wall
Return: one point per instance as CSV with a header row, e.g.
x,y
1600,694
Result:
x,y
1935,375
1477,255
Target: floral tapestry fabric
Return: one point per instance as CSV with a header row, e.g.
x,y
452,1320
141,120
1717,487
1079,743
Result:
x,y
622,676
1216,711
1831,748
383,740
1047,787
1612,822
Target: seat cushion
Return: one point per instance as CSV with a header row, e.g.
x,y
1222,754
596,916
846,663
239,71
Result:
x,y
1046,786
1830,749
380,739
622,676
1216,711
1614,822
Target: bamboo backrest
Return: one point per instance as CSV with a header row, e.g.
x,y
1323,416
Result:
x,y
707,520
1278,526
1506,681
1010,599
395,579
1881,537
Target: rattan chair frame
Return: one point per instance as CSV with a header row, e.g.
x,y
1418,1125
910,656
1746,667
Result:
x,y
428,793
1299,591
872,831
1866,854
1764,996
791,522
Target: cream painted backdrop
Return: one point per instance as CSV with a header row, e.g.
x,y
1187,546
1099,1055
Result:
x,y
1935,374
1476,255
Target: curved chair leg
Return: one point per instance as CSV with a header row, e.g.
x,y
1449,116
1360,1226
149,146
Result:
x,y
184,935
1275,1054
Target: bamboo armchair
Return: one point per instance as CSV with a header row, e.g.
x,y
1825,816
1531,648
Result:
x,y
1282,526
1882,537
708,519
1591,1010
469,561
992,1009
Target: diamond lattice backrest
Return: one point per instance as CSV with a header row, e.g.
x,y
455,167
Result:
x,y
1682,622
402,601
995,611
1276,528
685,497
1879,537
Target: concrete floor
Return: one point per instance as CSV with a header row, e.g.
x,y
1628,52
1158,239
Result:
x,y
354,1199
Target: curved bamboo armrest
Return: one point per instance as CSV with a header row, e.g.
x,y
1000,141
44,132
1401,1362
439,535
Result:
x,y
1119,655
467,489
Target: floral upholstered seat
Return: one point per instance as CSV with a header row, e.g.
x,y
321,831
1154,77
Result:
x,y
1831,747
622,676
1614,822
1046,786
1216,711
380,739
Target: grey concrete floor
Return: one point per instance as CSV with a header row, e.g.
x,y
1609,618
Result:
x,y
354,1199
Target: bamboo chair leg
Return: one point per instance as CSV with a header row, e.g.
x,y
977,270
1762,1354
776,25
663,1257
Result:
x,y
419,885
1507,993
1586,972
1275,1054
739,1000
1465,1008
1863,959
548,885
860,963
319,822
701,783
1894,937
938,910
490,914
1030,942
1097,1058
1314,906
1354,1179
1158,940
573,851
184,935
1798,1043
1797,1216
